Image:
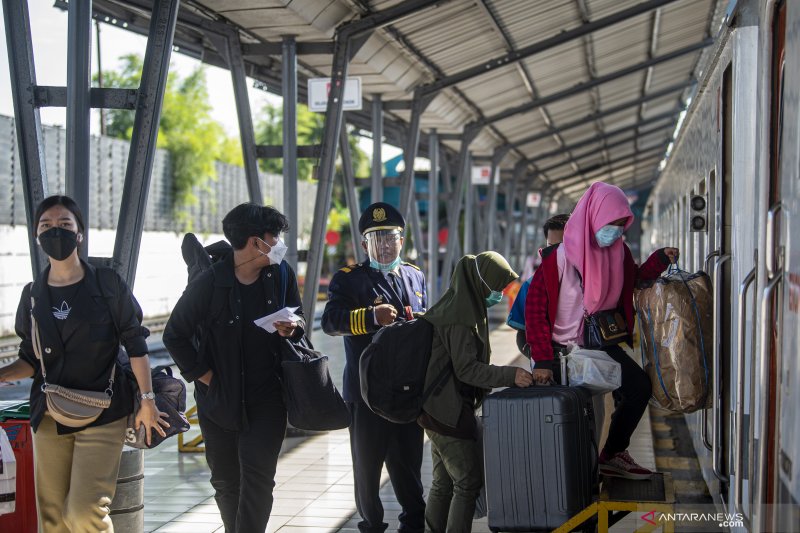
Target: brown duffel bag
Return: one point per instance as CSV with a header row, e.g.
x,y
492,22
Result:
x,y
675,318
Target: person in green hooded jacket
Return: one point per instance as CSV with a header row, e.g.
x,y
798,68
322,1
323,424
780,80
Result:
x,y
461,340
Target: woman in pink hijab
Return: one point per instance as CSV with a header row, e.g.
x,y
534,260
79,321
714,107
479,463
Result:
x,y
591,271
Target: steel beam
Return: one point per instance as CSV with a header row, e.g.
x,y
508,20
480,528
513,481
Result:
x,y
433,219
289,83
349,181
276,49
605,167
593,152
491,212
581,87
557,40
79,57
376,189
26,117
607,112
454,207
143,139
274,151
605,135
103,98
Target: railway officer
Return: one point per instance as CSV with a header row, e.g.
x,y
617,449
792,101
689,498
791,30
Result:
x,y
361,299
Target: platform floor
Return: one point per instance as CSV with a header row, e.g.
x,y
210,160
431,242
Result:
x,y
314,483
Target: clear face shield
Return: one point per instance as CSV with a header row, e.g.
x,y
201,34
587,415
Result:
x,y
383,248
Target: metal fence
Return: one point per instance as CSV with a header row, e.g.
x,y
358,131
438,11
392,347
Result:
x,y
107,175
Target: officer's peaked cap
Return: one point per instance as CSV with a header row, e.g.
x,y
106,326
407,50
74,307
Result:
x,y
380,216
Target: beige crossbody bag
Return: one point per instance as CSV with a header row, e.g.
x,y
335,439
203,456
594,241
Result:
x,y
70,407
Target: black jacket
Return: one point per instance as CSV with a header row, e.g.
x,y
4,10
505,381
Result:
x,y
204,332
352,295
83,355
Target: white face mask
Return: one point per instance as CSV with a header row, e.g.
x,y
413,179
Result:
x,y
277,251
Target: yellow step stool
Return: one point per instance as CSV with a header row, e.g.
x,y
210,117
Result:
x,y
654,499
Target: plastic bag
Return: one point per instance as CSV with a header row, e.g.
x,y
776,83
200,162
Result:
x,y
594,370
8,475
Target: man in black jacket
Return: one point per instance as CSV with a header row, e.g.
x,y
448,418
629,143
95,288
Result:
x,y
233,363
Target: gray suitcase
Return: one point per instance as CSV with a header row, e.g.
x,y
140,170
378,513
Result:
x,y
540,456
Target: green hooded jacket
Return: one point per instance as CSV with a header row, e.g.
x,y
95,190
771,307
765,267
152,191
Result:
x,y
461,337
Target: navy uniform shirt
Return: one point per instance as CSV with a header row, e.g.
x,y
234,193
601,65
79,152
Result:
x,y
353,293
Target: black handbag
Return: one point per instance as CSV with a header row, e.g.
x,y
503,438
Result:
x,y
170,399
604,328
312,400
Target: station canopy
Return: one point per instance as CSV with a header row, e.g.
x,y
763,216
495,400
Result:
x,y
579,89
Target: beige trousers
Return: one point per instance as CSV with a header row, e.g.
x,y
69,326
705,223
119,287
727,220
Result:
x,y
76,476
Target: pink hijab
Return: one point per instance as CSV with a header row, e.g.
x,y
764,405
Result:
x,y
601,268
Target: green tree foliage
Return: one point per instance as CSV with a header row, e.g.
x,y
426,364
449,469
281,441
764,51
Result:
x,y
269,130
193,139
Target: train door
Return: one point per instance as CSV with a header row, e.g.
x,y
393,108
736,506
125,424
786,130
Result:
x,y
786,340
770,373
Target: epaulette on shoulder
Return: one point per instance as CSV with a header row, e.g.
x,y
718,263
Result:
x,y
349,268
412,266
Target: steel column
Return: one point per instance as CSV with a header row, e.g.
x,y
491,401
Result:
x,y
143,139
289,90
519,171
454,207
418,106
469,210
433,218
26,119
376,189
330,137
351,197
342,50
229,47
491,198
79,57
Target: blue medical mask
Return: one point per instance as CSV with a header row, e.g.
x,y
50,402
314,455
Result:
x,y
608,235
385,267
495,297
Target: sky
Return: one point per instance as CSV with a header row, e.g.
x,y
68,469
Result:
x,y
49,35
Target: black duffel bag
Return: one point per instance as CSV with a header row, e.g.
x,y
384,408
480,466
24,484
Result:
x,y
170,399
312,400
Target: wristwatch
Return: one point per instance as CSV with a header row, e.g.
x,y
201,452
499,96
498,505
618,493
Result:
x,y
148,395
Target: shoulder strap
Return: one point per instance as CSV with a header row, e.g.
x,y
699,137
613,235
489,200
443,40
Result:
x,y
284,278
219,299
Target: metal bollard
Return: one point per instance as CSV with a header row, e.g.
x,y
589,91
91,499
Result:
x,y
127,509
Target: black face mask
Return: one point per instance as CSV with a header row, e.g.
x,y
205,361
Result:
x,y
58,243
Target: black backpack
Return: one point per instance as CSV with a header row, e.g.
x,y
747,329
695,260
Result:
x,y
392,370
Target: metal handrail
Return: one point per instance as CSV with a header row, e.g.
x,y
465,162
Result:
x,y
764,390
738,456
770,249
716,408
704,412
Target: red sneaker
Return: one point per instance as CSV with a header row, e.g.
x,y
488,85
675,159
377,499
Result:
x,y
622,465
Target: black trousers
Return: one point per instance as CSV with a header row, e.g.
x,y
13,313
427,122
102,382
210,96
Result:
x,y
243,465
373,441
630,400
